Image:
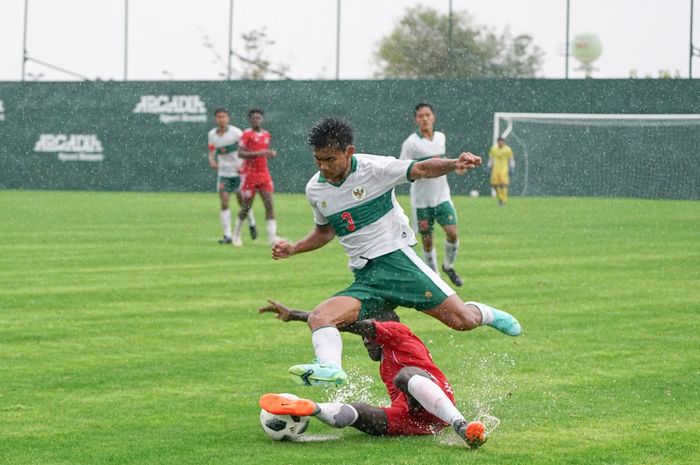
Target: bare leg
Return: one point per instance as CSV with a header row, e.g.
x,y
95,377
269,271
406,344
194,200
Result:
x,y
270,222
429,253
246,203
451,232
336,311
269,205
456,314
464,316
224,197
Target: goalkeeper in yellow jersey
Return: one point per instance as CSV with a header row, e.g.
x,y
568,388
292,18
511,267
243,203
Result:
x,y
501,165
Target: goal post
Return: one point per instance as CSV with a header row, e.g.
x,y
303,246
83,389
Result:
x,y
616,155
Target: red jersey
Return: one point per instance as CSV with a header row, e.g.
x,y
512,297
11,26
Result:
x,y
256,141
401,348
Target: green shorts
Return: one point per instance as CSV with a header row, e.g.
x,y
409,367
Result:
x,y
398,278
226,184
444,214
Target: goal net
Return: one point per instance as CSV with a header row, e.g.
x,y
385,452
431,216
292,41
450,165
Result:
x,y
614,155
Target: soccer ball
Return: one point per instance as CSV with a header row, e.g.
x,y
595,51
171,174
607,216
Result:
x,y
283,427
474,193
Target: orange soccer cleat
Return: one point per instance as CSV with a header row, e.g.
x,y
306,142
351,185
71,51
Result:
x,y
473,433
285,404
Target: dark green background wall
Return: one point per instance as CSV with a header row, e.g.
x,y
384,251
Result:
x,y
141,153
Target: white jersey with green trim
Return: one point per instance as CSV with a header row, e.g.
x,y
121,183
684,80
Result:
x,y
426,192
226,146
363,210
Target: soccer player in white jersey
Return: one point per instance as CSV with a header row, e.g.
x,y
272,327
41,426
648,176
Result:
x,y
223,157
430,198
352,197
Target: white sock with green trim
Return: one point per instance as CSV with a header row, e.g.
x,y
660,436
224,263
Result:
x,y
433,399
328,345
225,217
430,258
451,249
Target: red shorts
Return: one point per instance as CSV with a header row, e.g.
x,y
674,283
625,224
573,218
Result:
x,y
405,422
252,183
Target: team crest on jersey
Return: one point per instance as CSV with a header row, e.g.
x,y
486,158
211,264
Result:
x,y
359,193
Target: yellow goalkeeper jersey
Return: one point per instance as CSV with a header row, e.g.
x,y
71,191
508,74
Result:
x,y
501,158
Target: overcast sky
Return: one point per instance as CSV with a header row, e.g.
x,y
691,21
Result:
x,y
166,37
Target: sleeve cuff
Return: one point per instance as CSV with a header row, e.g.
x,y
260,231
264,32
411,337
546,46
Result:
x,y
408,171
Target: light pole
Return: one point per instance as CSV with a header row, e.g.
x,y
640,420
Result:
x,y
566,50
337,44
694,51
230,39
126,37
24,41
449,37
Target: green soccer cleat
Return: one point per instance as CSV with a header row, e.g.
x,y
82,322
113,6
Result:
x,y
319,374
505,323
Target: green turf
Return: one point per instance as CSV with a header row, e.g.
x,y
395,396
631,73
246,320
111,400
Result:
x,y
129,336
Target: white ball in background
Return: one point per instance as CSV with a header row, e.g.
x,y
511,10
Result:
x,y
474,193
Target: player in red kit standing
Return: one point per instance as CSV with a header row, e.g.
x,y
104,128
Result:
x,y
255,150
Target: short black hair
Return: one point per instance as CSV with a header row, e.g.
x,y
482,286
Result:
x,y
220,110
330,132
500,138
254,111
422,105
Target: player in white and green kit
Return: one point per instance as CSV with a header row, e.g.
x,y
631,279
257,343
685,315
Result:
x,y
430,198
223,143
352,197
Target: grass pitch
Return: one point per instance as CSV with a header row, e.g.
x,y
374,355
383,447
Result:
x,y
129,336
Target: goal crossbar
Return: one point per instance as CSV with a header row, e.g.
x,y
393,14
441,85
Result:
x,y
510,117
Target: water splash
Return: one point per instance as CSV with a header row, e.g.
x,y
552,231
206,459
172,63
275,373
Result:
x,y
360,388
486,386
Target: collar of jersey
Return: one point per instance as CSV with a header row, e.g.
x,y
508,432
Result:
x,y
228,128
420,135
353,167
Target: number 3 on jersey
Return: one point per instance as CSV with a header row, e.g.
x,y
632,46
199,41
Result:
x,y
347,217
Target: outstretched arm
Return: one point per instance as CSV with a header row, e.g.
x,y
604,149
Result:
x,y
364,328
283,312
243,153
317,238
436,167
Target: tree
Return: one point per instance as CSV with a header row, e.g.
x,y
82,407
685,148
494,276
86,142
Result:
x,y
252,63
419,47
